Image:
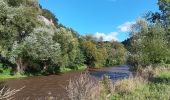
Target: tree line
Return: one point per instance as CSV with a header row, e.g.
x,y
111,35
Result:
x,y
31,38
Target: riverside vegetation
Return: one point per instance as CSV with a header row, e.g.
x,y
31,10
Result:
x,y
148,83
32,42
38,44
149,57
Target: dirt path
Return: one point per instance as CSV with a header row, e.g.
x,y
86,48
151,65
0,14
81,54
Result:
x,y
41,87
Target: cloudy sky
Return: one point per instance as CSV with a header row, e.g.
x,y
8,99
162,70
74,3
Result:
x,y
107,18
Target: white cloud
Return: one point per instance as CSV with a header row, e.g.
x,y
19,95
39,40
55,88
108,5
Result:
x,y
126,27
106,37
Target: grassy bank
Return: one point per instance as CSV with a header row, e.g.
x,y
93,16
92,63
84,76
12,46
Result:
x,y
8,76
147,84
78,68
154,87
6,72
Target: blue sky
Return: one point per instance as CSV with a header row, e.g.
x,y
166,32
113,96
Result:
x,y
107,18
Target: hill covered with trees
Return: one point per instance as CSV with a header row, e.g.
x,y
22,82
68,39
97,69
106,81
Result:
x,y
31,39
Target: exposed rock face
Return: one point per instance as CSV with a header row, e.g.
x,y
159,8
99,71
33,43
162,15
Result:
x,y
45,20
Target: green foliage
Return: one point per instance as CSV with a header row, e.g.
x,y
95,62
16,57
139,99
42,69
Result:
x,y
78,68
30,37
149,91
119,55
69,46
164,7
40,45
150,39
16,24
15,2
156,88
6,72
99,53
5,69
149,45
50,16
27,3
90,52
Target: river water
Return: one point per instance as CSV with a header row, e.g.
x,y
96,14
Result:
x,y
39,87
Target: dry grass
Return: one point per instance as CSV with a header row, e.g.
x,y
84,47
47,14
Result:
x,y
147,72
106,88
135,82
150,71
83,88
128,85
8,94
150,83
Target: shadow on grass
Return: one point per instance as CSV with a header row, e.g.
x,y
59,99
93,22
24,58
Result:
x,y
160,80
39,72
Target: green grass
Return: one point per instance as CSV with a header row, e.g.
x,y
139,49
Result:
x,y
5,73
3,76
64,70
150,91
165,74
79,68
157,88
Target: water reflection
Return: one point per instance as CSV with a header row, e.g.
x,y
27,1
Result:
x,y
112,75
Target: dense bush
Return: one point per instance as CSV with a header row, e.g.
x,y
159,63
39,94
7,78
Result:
x,y
148,45
150,38
99,53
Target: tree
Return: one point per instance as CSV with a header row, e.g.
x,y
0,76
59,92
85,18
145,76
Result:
x,y
30,34
69,46
50,16
90,52
17,3
16,24
149,44
165,8
119,53
38,46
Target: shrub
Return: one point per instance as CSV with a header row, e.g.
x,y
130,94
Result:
x,y
83,87
126,86
106,88
150,71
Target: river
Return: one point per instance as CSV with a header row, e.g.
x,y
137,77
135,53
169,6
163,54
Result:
x,y
39,87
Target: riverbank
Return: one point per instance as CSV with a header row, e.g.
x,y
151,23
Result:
x,y
52,85
150,83
7,73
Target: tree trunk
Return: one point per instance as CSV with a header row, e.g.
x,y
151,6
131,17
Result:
x,y
21,66
18,67
45,67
